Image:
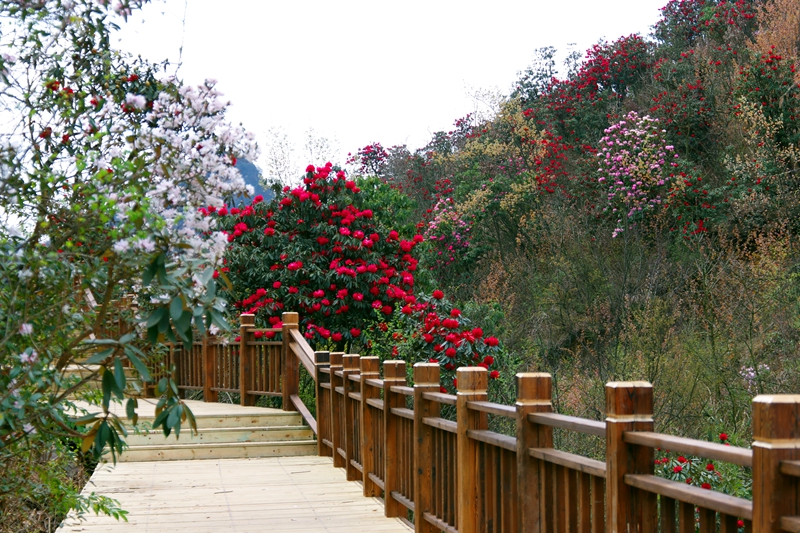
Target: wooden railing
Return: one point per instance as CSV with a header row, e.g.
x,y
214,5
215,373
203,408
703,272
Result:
x,y
451,473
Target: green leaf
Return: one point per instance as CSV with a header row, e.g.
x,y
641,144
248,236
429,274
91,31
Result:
x,y
119,374
207,276
84,420
174,419
137,363
152,335
130,408
184,323
219,320
149,273
176,308
163,325
201,327
100,356
190,417
108,385
155,317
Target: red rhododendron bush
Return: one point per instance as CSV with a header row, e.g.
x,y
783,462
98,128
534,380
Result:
x,y
318,249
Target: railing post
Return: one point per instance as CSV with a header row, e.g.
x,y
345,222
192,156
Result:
x,y
629,407
245,360
472,386
290,372
394,374
177,363
209,370
369,370
534,395
350,366
426,379
776,438
336,409
321,360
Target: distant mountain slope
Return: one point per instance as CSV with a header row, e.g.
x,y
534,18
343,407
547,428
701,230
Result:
x,y
251,173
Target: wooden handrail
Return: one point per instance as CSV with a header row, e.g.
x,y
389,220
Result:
x,y
438,397
507,411
303,351
790,468
707,499
708,450
377,383
304,412
495,439
582,425
570,460
790,523
374,402
449,472
402,412
440,423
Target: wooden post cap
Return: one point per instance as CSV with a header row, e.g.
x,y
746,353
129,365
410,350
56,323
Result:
x,y
322,357
336,358
350,361
536,386
472,379
776,420
394,370
426,373
290,319
369,366
629,400
246,319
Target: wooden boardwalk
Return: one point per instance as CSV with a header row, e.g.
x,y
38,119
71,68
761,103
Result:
x,y
266,494
275,494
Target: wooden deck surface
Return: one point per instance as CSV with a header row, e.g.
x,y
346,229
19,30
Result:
x,y
292,494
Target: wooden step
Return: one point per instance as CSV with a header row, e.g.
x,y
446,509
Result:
x,y
227,450
83,371
245,420
206,435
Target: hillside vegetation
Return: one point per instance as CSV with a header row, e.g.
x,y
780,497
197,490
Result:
x,y
635,219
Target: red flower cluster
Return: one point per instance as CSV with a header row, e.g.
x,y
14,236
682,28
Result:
x,y
323,254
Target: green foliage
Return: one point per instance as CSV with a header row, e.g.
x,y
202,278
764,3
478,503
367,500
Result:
x,y
105,162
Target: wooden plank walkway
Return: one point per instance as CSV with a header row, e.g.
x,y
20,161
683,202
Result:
x,y
292,494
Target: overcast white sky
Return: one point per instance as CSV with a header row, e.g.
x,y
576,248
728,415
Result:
x,y
361,71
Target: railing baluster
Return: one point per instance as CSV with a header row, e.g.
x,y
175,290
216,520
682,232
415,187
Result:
x,y
245,361
426,379
336,410
208,371
349,367
369,448
394,374
291,366
472,386
322,360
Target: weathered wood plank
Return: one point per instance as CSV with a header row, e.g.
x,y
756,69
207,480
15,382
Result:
x,y
277,494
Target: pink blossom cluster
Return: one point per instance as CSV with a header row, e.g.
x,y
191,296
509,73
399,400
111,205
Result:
x,y
635,166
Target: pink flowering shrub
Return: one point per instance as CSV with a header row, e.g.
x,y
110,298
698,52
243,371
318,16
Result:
x,y
634,168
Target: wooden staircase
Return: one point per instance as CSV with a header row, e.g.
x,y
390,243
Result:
x,y
224,431
229,436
